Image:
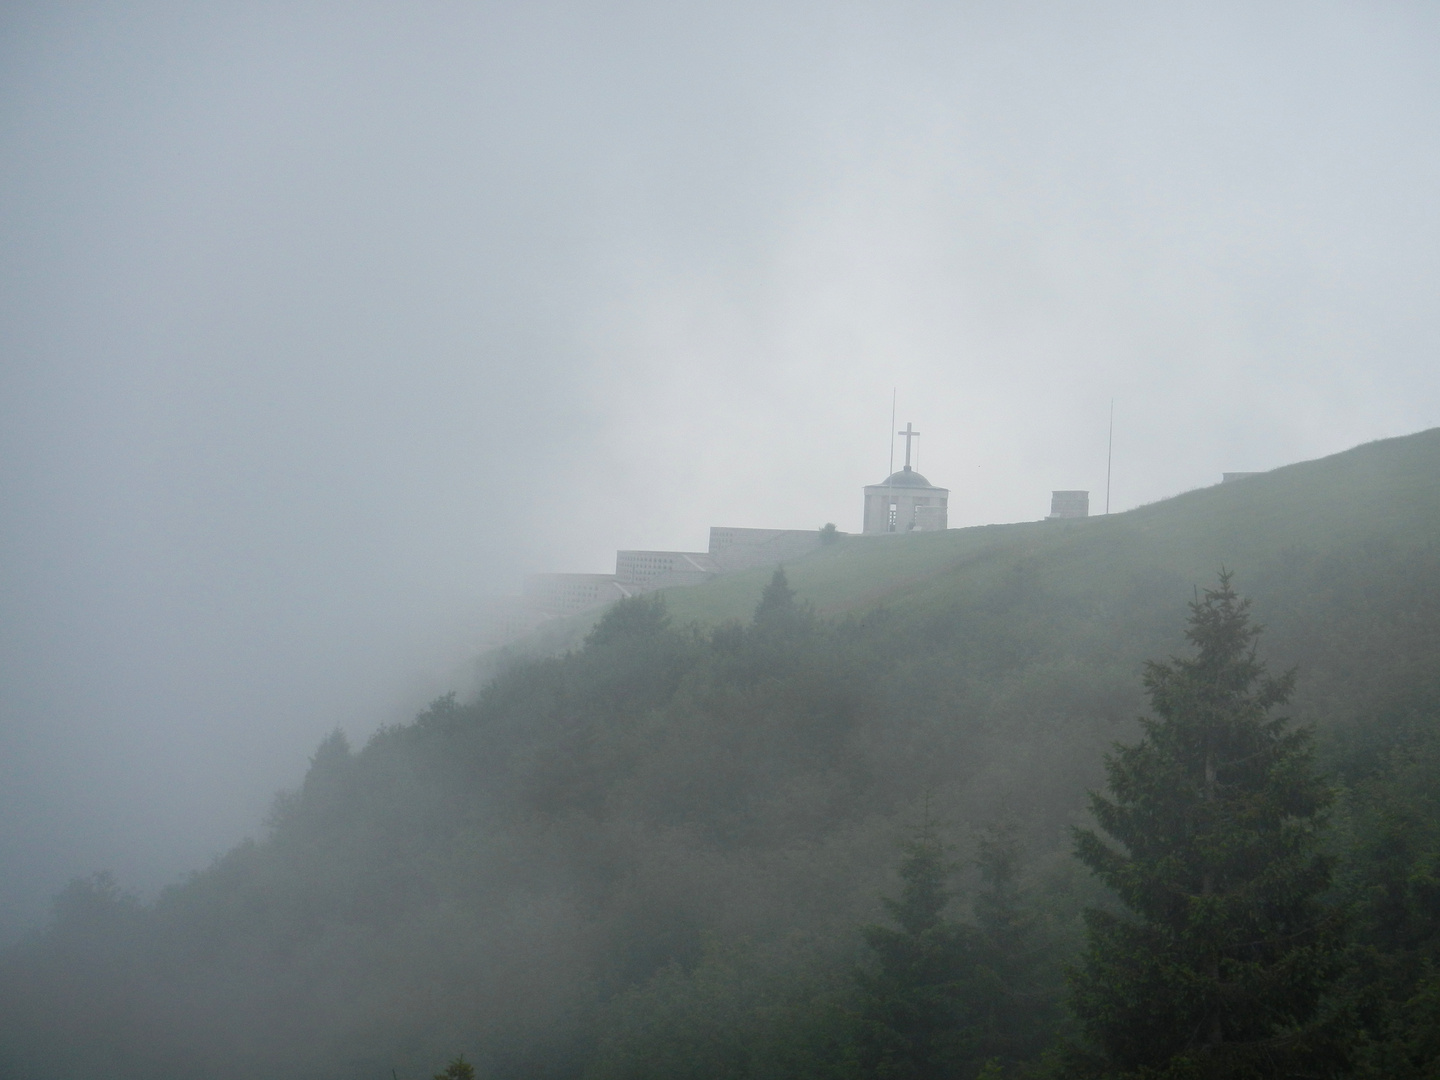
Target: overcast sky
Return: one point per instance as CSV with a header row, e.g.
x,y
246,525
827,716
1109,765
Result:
x,y
321,323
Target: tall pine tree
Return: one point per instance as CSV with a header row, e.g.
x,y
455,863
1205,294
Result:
x,y
915,1020
1018,998
1221,966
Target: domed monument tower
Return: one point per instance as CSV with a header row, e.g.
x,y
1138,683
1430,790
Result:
x,y
906,501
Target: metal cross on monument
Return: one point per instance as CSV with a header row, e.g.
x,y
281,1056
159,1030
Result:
x,y
908,436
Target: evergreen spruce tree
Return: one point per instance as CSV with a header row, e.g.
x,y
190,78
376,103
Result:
x,y
916,1001
1018,985
459,1069
780,612
1221,967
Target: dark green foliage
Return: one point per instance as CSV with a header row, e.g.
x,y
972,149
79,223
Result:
x,y
945,998
742,1011
634,620
779,615
933,996
1017,971
1393,875
917,1002
459,1069
1222,963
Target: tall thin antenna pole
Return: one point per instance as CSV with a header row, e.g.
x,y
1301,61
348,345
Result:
x,y
889,491
1109,456
893,392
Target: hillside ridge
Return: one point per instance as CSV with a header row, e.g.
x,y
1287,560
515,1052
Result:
x,y
1386,487
667,826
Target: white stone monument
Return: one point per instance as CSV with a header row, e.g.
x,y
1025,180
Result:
x,y
906,501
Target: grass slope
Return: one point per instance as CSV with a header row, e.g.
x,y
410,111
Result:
x,y
1387,490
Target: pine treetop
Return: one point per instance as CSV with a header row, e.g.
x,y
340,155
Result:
x,y
1214,816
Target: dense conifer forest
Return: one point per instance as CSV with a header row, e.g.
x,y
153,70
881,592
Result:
x,y
1149,795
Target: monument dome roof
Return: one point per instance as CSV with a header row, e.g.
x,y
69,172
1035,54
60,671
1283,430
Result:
x,y
906,477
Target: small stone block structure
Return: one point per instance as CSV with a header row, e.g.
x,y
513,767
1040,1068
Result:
x,y
565,594
644,568
747,549
1065,505
639,572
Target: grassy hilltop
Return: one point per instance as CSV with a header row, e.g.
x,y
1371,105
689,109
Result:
x,y
1386,492
1359,530
652,856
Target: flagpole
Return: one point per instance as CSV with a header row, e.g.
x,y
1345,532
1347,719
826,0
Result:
x,y
1109,456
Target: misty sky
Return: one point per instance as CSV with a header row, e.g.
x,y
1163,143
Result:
x,y
322,323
